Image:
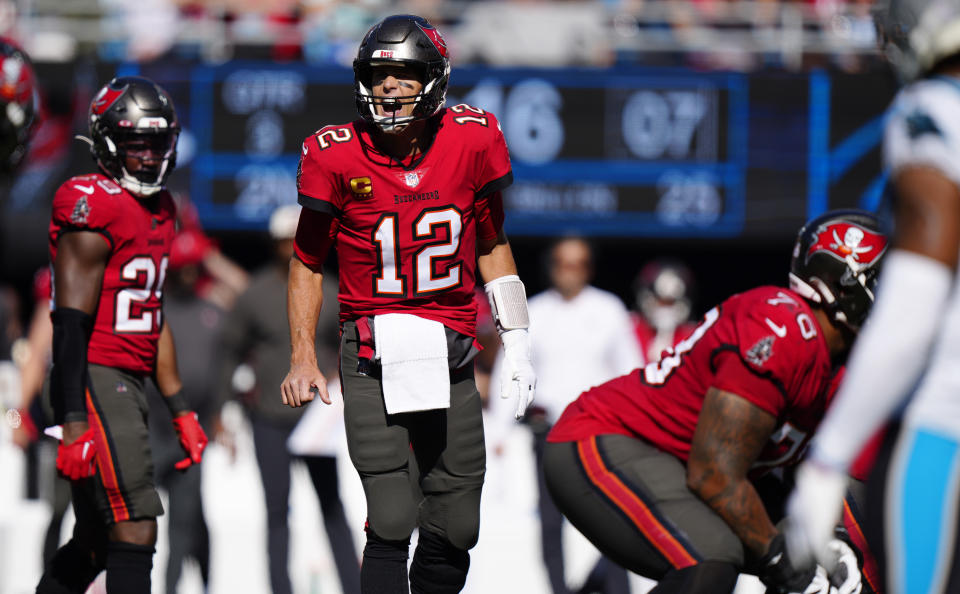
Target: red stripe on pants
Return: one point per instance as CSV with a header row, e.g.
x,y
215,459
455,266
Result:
x,y
630,504
108,471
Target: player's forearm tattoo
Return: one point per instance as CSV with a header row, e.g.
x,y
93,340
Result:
x,y
730,434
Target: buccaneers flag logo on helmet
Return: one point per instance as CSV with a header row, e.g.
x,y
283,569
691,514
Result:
x,y
845,240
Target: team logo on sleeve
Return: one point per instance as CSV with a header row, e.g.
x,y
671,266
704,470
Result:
x,y
761,352
850,242
81,210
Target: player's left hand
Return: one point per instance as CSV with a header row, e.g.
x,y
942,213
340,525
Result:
x,y
193,440
814,509
518,379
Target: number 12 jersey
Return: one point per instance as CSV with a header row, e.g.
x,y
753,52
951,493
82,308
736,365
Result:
x,y
406,236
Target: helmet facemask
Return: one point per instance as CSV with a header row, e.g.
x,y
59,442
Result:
x,y
141,162
425,103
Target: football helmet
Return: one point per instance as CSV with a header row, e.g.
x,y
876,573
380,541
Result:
x,y
18,104
919,34
836,260
133,133
663,291
412,41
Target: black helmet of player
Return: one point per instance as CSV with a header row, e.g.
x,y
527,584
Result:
x,y
410,41
836,260
917,35
133,133
18,104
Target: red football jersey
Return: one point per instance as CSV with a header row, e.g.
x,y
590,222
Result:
x,y
406,237
763,345
139,232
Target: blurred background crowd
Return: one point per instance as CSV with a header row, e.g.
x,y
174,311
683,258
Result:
x,y
665,153
708,33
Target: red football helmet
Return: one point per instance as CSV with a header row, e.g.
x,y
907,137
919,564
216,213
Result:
x,y
836,260
18,104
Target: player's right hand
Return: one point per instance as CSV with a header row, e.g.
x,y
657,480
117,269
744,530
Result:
x,y
302,384
77,459
780,576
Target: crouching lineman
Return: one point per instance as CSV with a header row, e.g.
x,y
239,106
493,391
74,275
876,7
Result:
x,y
110,238
659,468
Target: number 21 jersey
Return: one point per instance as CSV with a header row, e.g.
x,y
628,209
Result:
x,y
406,236
139,232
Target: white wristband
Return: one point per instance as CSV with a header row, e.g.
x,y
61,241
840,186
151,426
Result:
x,y
508,302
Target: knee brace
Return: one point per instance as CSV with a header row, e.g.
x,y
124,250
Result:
x,y
128,568
384,568
438,567
707,577
71,571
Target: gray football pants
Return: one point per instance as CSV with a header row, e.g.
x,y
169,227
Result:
x,y
418,469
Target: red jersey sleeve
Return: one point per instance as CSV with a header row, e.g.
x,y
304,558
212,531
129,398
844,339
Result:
x,y
317,186
495,172
316,232
489,215
769,355
80,205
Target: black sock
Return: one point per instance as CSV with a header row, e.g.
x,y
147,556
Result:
x,y
70,571
128,568
438,567
384,568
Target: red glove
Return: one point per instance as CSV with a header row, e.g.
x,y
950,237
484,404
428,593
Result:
x,y
192,439
79,459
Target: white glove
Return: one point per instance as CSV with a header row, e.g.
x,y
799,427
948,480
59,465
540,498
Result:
x,y
845,576
820,584
813,511
518,379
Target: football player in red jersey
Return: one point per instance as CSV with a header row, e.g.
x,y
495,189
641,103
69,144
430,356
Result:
x,y
110,238
658,467
411,195
20,103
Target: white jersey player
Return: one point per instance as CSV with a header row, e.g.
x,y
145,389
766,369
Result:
x,y
906,363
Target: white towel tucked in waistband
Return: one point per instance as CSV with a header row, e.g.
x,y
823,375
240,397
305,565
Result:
x,y
413,362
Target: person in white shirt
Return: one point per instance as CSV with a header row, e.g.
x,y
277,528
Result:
x,y
580,336
905,364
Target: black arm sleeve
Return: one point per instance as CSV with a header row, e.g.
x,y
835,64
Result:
x,y
68,378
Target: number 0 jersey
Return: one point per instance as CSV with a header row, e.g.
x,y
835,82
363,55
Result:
x,y
763,345
128,318
406,238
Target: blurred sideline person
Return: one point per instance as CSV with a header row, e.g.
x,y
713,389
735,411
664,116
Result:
x,y
411,195
110,235
661,468
906,362
256,332
663,291
581,338
197,323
